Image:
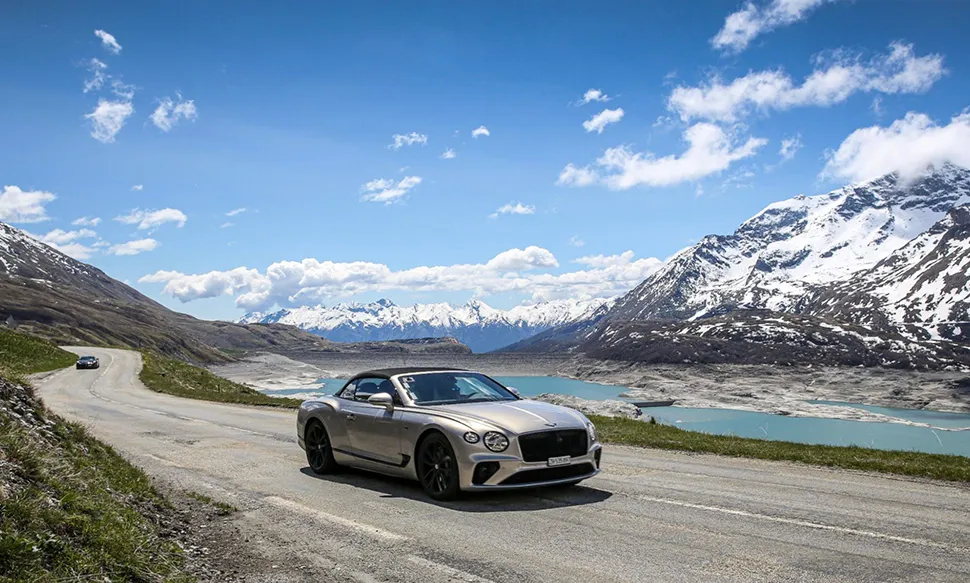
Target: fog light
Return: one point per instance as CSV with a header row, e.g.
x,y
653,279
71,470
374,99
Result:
x,y
483,472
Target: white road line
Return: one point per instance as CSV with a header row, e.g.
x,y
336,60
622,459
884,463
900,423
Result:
x,y
373,531
804,523
453,573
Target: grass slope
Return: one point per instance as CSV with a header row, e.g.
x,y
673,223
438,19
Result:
x,y
71,508
22,355
174,377
638,433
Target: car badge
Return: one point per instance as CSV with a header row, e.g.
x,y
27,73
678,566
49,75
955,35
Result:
x,y
550,424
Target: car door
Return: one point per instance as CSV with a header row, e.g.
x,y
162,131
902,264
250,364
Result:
x,y
375,432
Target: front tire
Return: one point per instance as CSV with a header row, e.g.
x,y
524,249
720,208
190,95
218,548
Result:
x,y
437,468
319,453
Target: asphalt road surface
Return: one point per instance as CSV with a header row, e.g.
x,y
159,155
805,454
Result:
x,y
650,516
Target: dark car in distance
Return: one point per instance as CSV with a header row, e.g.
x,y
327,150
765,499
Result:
x,y
87,362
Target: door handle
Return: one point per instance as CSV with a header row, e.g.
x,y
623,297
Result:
x,y
351,417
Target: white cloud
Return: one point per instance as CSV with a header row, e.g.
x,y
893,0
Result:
x,y
227,224
401,140
448,154
237,211
593,95
513,209
310,281
86,222
576,241
741,27
153,219
168,113
602,119
108,41
605,260
96,82
909,146
480,131
108,118
133,247
574,176
710,150
388,191
67,242
18,206
790,147
138,187
840,75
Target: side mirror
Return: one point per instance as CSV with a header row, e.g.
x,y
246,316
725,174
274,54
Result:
x,y
514,391
381,400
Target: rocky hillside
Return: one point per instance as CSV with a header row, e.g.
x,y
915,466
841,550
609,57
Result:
x,y
476,324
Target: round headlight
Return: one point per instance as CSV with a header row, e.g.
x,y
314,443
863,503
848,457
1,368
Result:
x,y
591,429
471,437
495,441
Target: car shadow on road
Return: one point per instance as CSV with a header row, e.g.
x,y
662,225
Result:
x,y
500,501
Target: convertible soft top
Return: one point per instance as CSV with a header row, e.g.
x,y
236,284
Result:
x,y
386,373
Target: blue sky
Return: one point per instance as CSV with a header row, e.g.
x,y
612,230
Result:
x,y
288,110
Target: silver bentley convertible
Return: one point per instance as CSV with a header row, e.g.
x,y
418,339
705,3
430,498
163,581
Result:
x,y
452,430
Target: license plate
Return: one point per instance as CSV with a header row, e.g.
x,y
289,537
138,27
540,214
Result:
x,y
562,460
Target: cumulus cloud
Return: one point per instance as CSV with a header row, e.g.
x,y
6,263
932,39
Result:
x,y
839,75
311,281
86,222
108,118
909,146
97,69
593,95
108,41
741,27
790,147
448,154
133,247
574,176
388,191
605,260
170,112
710,150
401,140
18,206
153,219
576,241
138,187
67,242
480,131
237,211
598,122
513,209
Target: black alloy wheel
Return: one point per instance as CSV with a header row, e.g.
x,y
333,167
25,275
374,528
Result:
x,y
319,454
437,468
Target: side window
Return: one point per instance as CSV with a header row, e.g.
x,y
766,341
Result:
x,y
368,387
348,391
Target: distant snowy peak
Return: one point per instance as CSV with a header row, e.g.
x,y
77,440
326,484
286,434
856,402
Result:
x,y
774,257
476,323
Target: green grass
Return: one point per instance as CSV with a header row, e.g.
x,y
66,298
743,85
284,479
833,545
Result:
x,y
21,355
174,377
72,509
638,433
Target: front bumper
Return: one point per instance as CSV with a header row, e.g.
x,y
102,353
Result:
x,y
513,473
93,365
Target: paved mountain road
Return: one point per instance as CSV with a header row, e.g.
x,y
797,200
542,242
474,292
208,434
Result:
x,y
650,516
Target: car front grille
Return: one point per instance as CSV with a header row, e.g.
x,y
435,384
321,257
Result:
x,y
548,474
540,446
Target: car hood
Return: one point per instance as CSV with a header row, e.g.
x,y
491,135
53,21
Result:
x,y
520,416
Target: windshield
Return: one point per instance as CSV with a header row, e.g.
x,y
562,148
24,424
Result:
x,y
450,388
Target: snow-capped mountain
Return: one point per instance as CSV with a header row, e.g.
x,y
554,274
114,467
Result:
x,y
476,324
922,286
793,246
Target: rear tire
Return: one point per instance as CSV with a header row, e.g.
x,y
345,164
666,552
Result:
x,y
319,453
437,468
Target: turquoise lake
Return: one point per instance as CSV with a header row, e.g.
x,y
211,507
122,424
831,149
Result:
x,y
893,436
